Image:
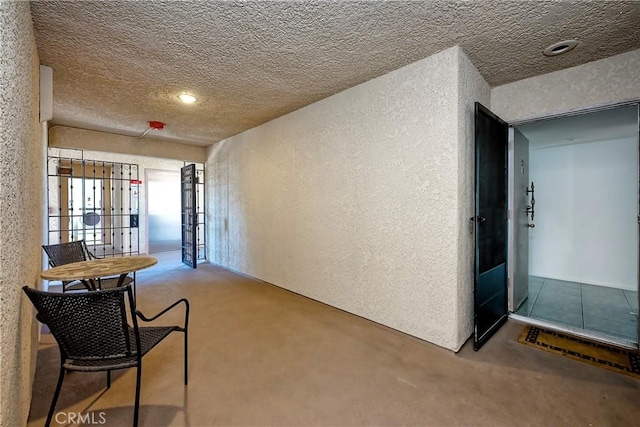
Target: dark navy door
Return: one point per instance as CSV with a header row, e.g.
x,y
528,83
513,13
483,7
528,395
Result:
x,y
490,220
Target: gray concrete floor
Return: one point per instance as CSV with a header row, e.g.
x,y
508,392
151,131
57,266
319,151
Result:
x,y
260,355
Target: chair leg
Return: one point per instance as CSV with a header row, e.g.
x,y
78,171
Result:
x,y
55,397
186,358
108,379
136,408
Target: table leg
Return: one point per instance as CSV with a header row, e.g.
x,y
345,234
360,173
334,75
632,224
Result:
x,y
90,284
121,279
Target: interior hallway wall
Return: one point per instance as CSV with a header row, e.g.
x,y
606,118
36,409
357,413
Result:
x,y
149,146
586,213
21,214
356,200
608,80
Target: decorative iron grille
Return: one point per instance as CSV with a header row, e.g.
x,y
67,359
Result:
x,y
95,201
200,212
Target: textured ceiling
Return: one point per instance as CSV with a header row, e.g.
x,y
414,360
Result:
x,y
119,64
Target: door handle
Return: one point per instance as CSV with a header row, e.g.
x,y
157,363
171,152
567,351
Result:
x,y
531,208
475,219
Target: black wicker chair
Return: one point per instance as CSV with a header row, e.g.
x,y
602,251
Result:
x,y
66,253
93,335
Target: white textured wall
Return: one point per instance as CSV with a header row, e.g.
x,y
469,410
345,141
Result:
x,y
144,163
21,199
217,210
613,79
586,213
90,140
354,200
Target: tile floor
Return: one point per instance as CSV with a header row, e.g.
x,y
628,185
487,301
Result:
x,y
592,308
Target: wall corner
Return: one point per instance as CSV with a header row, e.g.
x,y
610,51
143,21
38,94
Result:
x,y
472,88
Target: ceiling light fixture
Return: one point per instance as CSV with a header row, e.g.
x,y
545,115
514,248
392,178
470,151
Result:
x,y
187,98
560,47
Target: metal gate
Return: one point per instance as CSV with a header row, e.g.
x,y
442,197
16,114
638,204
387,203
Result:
x,y
95,201
201,234
193,215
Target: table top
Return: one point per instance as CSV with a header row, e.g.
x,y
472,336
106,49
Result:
x,y
98,268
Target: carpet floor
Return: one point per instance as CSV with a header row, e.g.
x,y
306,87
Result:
x,y
260,355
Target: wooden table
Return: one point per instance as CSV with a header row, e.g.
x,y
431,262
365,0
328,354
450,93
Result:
x,y
87,271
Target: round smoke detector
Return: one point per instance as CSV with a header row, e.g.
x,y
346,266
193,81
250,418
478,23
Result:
x,y
560,47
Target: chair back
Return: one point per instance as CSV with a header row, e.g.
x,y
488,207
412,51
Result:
x,y
66,253
88,325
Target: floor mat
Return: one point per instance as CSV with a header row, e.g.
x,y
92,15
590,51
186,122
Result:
x,y
615,359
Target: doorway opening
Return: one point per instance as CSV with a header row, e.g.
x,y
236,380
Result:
x,y
570,214
163,210
583,246
176,232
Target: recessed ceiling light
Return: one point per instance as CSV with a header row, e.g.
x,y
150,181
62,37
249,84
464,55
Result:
x,y
560,47
187,98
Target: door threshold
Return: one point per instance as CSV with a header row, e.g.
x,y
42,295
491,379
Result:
x,y
578,332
